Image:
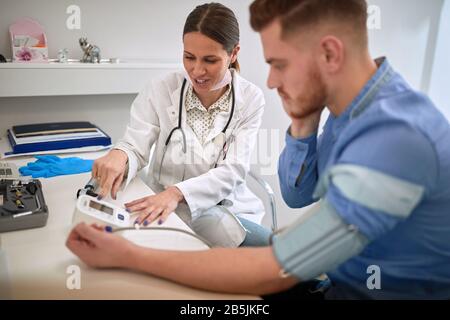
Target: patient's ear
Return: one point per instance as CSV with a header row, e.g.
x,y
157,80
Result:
x,y
332,53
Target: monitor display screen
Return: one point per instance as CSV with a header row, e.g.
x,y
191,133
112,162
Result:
x,y
101,207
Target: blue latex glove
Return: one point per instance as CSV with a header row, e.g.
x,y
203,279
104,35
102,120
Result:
x,y
52,166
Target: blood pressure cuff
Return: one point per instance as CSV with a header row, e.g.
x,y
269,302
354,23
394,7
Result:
x,y
369,202
317,245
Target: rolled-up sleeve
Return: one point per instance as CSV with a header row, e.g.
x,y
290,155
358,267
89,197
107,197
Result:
x,y
377,189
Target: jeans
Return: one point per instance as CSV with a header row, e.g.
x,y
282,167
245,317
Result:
x,y
257,235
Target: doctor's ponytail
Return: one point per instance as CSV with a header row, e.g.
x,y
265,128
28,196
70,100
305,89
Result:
x,y
218,23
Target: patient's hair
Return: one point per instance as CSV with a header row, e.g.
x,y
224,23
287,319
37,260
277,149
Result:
x,y
217,22
298,15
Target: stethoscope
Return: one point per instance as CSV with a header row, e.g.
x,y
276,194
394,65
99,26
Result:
x,y
220,140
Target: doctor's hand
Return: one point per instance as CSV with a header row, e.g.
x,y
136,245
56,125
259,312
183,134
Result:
x,y
109,171
157,206
99,248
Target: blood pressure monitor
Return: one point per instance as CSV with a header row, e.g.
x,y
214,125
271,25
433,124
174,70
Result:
x,y
91,210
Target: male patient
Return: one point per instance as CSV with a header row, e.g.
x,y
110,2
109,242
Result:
x,y
381,169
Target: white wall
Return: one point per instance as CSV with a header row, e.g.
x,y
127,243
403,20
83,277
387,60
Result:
x,y
439,85
408,37
152,29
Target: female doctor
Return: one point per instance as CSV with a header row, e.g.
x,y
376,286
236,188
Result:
x,y
203,123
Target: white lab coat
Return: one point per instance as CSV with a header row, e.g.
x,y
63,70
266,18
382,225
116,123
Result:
x,y
154,113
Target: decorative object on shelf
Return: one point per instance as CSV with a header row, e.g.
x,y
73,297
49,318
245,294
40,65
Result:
x,y
91,52
28,41
2,59
63,55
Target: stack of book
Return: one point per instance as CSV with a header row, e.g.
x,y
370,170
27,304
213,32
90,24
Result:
x,y
55,136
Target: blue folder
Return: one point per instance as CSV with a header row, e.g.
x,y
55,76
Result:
x,y
18,148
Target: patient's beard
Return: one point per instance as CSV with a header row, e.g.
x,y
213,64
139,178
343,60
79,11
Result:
x,y
311,99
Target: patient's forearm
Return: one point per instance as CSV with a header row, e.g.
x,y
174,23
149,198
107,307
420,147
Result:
x,y
245,270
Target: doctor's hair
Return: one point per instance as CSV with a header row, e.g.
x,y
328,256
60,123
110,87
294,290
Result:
x,y
300,15
218,23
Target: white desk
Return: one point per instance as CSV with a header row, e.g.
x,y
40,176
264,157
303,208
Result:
x,y
34,263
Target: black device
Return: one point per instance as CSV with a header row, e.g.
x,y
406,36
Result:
x,y
22,205
89,189
2,59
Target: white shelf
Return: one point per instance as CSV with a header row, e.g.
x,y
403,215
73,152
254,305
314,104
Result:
x,y
78,65
74,78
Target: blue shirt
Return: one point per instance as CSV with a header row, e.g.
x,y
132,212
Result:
x,y
391,129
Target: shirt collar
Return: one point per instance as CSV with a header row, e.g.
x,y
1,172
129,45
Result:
x,y
366,95
192,101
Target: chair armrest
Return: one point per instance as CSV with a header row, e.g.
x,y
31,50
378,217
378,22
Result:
x,y
271,195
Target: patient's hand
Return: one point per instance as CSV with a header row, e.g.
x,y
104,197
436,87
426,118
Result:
x,y
109,171
303,127
157,206
98,248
